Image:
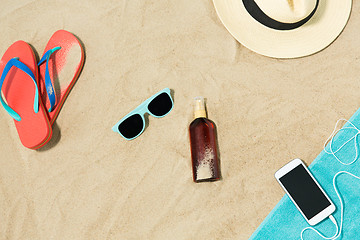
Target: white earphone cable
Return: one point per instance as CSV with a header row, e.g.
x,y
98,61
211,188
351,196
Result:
x,y
331,138
321,235
332,152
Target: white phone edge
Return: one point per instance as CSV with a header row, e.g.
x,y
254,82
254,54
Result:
x,y
321,215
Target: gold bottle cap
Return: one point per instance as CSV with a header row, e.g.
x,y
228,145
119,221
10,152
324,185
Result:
x,y
199,108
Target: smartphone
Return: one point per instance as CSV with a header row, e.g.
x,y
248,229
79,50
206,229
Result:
x,y
305,192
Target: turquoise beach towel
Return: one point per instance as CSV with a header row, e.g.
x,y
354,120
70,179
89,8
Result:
x,y
285,221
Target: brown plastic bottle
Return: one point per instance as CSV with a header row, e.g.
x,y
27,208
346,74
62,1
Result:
x,y
204,152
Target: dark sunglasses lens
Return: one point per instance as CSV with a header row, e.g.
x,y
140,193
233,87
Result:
x,y
131,126
160,105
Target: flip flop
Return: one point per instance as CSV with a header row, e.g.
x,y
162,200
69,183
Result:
x,y
59,69
19,85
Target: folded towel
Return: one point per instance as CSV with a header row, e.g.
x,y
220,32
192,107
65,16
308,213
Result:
x,y
286,222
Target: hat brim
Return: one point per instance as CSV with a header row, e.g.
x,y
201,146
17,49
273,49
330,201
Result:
x,y
319,32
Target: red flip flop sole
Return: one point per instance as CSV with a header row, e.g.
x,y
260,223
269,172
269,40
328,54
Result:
x,y
64,68
18,88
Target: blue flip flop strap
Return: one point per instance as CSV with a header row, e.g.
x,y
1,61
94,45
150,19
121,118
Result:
x,y
16,63
48,83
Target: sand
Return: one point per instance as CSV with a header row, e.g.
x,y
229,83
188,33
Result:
x,y
89,183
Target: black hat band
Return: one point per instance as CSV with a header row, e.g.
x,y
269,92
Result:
x,y
254,10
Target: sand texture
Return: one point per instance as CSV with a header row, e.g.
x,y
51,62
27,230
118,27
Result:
x,y
90,183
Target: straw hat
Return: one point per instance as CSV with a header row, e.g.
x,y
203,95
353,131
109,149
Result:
x,y
284,28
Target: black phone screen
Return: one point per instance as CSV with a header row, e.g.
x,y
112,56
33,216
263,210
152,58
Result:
x,y
304,191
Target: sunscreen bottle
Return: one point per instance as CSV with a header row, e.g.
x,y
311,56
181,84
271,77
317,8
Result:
x,y
204,152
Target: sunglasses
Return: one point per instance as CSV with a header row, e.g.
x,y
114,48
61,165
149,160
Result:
x,y
133,124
